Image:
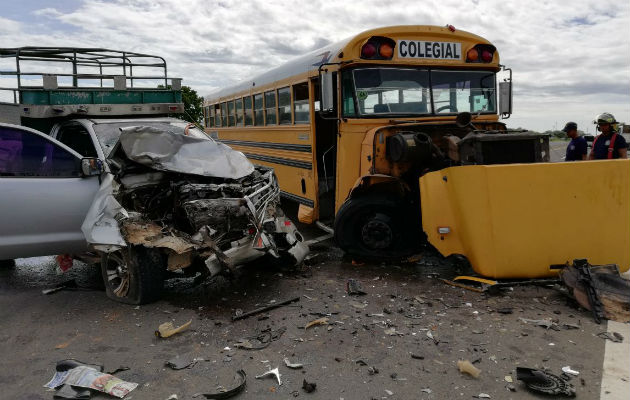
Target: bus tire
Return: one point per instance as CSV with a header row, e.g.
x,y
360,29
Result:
x,y
133,275
377,226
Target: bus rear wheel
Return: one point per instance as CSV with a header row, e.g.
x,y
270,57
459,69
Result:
x,y
377,226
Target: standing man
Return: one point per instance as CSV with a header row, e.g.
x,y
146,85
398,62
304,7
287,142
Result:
x,y
609,144
577,148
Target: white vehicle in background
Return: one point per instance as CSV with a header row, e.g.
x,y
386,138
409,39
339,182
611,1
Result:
x,y
149,195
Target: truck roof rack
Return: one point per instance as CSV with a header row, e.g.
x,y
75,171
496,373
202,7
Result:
x,y
60,81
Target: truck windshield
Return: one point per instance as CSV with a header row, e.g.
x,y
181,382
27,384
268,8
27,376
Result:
x,y
406,91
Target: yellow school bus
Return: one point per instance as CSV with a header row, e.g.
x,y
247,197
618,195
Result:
x,y
350,127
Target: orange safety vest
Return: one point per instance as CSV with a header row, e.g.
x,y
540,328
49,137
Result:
x,y
611,146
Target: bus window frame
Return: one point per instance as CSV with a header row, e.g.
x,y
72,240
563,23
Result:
x,y
308,99
290,122
224,116
230,112
237,101
260,110
275,107
250,108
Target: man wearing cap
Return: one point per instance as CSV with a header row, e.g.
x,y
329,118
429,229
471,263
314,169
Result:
x,y
577,148
609,144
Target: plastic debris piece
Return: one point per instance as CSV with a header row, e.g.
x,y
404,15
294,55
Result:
x,y
389,392
543,382
241,377
309,387
426,390
173,397
392,332
568,370
319,321
483,396
167,329
510,387
508,378
466,367
353,287
274,372
358,305
261,340
545,323
291,365
373,370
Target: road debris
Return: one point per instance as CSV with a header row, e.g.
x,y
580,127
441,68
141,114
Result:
x,y
291,365
482,396
180,362
466,367
264,309
309,387
545,323
70,284
81,375
167,329
544,382
319,321
226,394
353,287
261,340
600,289
274,372
567,370
613,336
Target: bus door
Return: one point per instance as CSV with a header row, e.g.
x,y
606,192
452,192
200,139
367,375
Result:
x,y
326,130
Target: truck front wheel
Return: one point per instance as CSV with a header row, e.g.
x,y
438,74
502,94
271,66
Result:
x,y
134,275
377,226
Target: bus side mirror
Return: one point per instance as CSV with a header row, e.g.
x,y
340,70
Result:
x,y
327,91
505,99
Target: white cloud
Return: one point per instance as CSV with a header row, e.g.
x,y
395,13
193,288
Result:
x,y
570,60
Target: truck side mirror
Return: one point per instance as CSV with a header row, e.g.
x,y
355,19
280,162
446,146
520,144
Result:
x,y
91,166
505,99
326,85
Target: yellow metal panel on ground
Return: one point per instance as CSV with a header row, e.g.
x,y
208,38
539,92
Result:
x,y
515,221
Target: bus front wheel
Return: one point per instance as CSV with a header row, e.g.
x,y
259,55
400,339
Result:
x,y
377,226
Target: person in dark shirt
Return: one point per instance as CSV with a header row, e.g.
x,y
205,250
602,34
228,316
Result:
x,y
609,144
577,148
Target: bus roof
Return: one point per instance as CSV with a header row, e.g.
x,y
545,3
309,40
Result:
x,y
331,54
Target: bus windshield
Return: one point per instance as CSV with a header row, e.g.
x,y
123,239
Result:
x,y
387,91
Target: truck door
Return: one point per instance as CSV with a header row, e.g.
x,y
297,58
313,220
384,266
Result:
x,y
43,196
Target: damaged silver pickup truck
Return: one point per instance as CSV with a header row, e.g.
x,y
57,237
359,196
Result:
x,y
169,199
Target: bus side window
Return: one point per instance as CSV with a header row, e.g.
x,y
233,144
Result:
x,y
300,103
231,113
270,107
210,120
224,114
284,105
239,112
348,95
217,115
258,110
249,113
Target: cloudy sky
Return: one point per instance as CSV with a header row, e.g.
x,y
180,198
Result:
x,y
571,60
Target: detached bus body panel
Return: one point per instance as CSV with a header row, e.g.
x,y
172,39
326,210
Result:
x,y
519,220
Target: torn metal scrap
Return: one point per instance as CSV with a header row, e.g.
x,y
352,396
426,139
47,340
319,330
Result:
x,y
353,287
274,372
544,382
264,309
181,361
615,337
599,288
240,377
309,387
481,285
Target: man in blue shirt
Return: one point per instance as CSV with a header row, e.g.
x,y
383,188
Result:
x,y
577,148
609,144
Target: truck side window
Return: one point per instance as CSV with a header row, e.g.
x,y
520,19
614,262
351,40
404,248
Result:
x,y
77,138
27,154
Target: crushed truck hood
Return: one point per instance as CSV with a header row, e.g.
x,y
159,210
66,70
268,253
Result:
x,y
164,150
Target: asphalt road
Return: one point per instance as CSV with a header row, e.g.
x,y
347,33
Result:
x,y
401,340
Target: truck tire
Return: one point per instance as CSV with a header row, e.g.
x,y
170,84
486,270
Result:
x,y
134,275
378,227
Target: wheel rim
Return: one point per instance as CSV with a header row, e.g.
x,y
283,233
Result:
x,y
377,232
117,275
